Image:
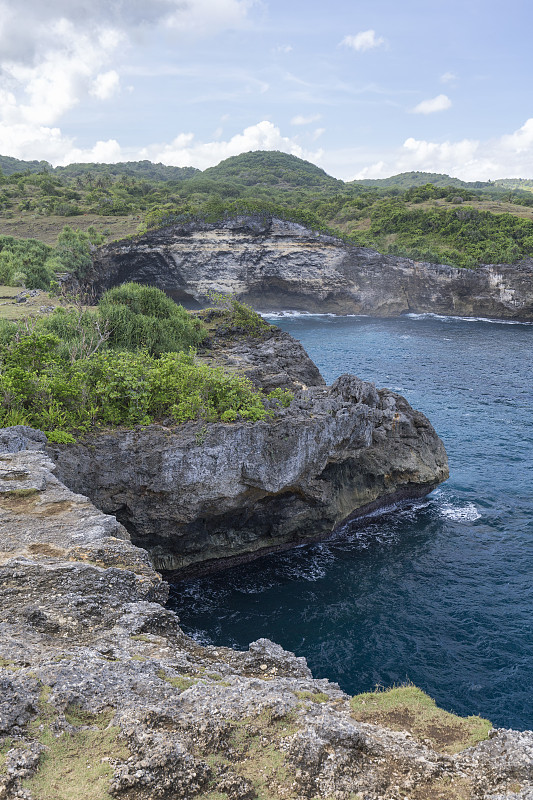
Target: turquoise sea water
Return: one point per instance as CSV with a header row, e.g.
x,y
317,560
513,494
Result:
x,y
439,592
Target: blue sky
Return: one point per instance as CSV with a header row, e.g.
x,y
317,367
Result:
x,y
364,89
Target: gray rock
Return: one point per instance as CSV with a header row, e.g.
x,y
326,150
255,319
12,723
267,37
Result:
x,y
20,437
199,495
86,655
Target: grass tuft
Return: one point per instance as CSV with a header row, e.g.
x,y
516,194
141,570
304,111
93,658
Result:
x,y
407,708
314,697
179,681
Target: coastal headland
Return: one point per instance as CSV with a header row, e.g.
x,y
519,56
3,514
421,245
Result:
x,y
103,695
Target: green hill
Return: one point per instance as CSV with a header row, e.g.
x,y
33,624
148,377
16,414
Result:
x,y
515,183
272,168
408,180
134,169
423,215
9,165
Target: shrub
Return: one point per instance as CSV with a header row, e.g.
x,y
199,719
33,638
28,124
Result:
x,y
39,387
240,315
73,250
144,317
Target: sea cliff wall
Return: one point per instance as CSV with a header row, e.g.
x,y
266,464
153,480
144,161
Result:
x,y
277,265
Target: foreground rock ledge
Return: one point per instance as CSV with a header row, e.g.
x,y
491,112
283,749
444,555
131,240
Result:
x,y
102,695
199,496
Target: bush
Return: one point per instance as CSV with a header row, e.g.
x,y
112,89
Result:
x,y
62,376
40,388
73,250
240,315
24,258
144,317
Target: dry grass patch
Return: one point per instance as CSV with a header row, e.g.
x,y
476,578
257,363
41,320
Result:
x,y
48,228
12,311
5,747
314,697
443,789
74,765
407,708
45,549
21,501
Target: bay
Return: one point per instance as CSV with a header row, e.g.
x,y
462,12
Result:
x,y
437,592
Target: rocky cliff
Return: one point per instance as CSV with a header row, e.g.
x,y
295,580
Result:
x,y
199,495
277,265
102,695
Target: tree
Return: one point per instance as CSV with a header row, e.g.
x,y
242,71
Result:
x,y
74,251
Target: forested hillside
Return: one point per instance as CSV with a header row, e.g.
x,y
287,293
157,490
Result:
x,y
425,216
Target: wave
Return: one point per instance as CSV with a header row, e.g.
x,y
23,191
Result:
x,y
293,314
449,317
290,313
466,513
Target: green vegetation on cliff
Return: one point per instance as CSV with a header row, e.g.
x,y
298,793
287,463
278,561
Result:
x,y
421,215
129,362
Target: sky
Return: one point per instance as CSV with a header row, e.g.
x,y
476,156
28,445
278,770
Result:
x,y
362,88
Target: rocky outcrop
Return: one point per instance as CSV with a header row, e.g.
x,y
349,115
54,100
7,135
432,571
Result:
x,y
101,693
198,495
276,265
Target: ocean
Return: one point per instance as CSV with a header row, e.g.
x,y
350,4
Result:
x,y
439,591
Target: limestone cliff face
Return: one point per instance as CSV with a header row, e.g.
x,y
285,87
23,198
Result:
x,y
199,495
279,265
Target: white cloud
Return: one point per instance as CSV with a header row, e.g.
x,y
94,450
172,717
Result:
x,y
364,40
440,103
377,170
54,55
28,141
521,141
448,77
284,49
185,151
508,156
299,119
43,90
105,85
318,132
204,17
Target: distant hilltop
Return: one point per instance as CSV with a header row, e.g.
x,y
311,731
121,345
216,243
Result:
x,y
259,166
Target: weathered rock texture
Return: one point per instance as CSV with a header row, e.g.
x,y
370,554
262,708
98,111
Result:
x,y
101,694
276,265
198,495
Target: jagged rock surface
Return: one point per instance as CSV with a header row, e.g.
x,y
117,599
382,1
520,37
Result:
x,y
101,693
277,265
199,495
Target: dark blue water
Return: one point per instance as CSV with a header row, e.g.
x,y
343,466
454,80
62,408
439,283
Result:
x,y
440,592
